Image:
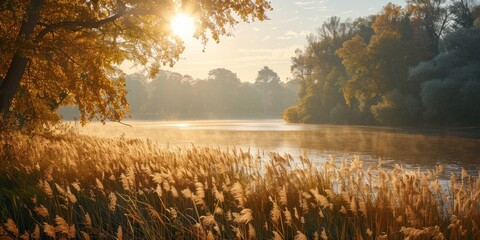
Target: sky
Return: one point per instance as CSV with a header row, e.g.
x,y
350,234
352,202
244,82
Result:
x,y
269,43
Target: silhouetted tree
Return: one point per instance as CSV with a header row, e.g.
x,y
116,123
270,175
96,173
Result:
x,y
222,95
266,76
267,82
170,96
464,12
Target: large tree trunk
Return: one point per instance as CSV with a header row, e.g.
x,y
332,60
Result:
x,y
17,68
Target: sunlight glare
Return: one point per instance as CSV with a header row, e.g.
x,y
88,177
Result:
x,y
183,25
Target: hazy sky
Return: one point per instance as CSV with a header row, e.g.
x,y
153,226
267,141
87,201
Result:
x,y
270,43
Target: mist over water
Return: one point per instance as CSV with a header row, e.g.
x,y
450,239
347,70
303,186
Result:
x,y
412,148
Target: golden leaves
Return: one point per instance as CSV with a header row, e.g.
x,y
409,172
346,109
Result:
x,y
76,51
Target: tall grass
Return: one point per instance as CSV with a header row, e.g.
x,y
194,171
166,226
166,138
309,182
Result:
x,y
72,186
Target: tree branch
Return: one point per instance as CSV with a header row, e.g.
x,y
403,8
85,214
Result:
x,y
80,24
125,124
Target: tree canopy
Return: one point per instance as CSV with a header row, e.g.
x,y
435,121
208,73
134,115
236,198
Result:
x,y
68,52
451,81
409,65
173,96
266,76
319,72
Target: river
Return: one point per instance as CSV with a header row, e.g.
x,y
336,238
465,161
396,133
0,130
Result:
x,y
412,148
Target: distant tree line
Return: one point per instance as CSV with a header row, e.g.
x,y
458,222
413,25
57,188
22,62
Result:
x,y
173,96
412,65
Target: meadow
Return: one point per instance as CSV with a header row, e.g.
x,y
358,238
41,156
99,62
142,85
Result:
x,y
64,185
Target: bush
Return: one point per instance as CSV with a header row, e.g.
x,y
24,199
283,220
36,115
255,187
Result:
x,y
397,109
291,115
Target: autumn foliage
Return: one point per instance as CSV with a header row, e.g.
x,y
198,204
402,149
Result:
x,y
57,53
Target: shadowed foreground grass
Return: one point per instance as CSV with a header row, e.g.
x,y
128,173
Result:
x,y
72,186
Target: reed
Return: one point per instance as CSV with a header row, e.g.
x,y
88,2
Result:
x,y
66,185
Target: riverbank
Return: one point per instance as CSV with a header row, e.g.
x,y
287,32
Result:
x,y
66,185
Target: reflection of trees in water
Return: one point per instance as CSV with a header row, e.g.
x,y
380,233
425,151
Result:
x,y
407,147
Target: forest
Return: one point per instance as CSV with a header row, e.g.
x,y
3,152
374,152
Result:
x,y
417,65
172,96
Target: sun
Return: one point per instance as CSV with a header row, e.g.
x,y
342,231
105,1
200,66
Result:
x,y
183,25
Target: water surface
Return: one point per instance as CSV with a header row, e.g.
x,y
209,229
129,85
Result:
x,y
412,148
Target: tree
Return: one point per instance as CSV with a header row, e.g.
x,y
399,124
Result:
x,y
223,75
273,94
269,83
434,17
68,52
464,12
219,93
301,69
137,95
320,73
379,67
266,76
451,81
170,96
378,70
